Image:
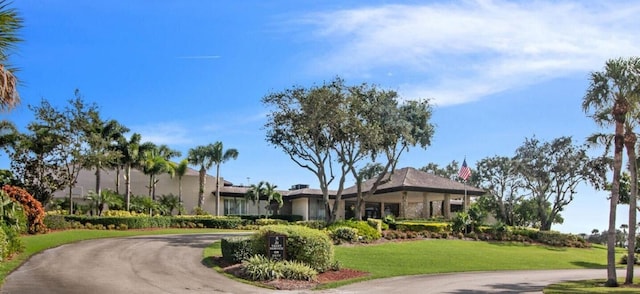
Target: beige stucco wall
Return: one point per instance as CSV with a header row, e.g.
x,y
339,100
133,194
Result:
x,y
139,183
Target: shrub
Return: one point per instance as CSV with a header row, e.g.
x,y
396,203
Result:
x,y
295,270
12,243
366,233
624,259
289,218
269,221
376,224
434,227
303,244
260,268
56,222
32,207
343,234
236,249
314,224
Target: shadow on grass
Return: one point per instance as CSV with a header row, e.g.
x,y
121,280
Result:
x,y
589,265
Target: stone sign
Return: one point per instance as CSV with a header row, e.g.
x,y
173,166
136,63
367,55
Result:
x,y
277,247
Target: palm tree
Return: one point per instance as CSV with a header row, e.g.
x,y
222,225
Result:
x,y
157,161
201,156
10,23
219,157
609,95
131,151
181,170
254,194
273,196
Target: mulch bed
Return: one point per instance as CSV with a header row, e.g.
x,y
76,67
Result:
x,y
282,284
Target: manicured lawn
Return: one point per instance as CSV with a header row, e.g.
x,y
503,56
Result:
x,y
36,243
441,256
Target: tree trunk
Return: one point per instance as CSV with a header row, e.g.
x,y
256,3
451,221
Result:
x,y
127,186
118,179
630,144
218,191
180,195
70,200
202,183
98,176
612,279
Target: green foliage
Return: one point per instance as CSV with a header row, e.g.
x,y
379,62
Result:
x,y
268,221
136,222
56,222
561,240
260,268
12,242
168,203
200,211
32,208
624,259
435,227
306,245
378,224
236,249
343,234
314,224
366,233
204,221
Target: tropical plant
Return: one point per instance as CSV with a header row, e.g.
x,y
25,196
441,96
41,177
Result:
x,y
273,197
221,156
180,170
143,204
131,152
254,193
10,23
106,199
610,94
168,203
201,156
157,160
32,207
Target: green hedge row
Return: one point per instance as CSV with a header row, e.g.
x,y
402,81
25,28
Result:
x,y
144,222
253,218
434,227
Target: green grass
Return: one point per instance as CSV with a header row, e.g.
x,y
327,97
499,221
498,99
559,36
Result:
x,y
442,256
37,243
589,286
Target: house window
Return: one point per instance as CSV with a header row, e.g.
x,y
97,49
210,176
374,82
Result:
x,y
316,209
235,206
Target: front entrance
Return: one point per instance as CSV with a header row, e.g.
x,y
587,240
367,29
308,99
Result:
x,y
371,210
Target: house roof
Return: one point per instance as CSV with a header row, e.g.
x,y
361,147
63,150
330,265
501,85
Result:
x,y
404,179
411,179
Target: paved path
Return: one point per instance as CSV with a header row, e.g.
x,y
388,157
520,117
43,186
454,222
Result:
x,y
173,264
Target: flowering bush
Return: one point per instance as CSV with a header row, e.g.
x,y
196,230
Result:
x,y
33,208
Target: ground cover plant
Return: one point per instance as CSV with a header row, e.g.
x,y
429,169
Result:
x,y
590,286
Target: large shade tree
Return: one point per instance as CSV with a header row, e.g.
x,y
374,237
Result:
x,y
608,100
328,129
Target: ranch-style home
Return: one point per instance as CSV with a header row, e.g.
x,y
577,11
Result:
x,y
410,193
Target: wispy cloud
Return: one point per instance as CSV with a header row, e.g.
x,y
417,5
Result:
x,y
200,57
169,133
462,51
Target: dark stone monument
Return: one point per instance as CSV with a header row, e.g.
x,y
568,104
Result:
x,y
277,247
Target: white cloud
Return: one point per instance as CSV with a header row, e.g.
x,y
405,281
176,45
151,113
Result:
x,y
168,133
459,52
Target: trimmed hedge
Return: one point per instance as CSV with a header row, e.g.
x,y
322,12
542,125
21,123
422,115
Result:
x,y
145,222
201,221
253,218
366,232
434,227
310,246
236,249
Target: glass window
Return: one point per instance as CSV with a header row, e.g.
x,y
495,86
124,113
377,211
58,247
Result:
x,y
235,206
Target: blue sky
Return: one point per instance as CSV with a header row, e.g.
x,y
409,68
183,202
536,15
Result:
x,y
187,73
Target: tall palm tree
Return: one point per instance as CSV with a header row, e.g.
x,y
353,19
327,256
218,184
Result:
x,y
221,156
10,23
609,95
158,161
254,194
273,195
181,170
132,152
201,156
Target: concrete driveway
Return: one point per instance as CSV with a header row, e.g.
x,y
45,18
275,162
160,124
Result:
x,y
173,264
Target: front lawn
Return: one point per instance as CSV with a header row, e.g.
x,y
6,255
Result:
x,y
441,256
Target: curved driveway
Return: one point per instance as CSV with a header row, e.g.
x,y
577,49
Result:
x,y
173,264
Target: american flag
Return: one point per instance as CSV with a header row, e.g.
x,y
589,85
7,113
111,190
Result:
x,y
464,172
